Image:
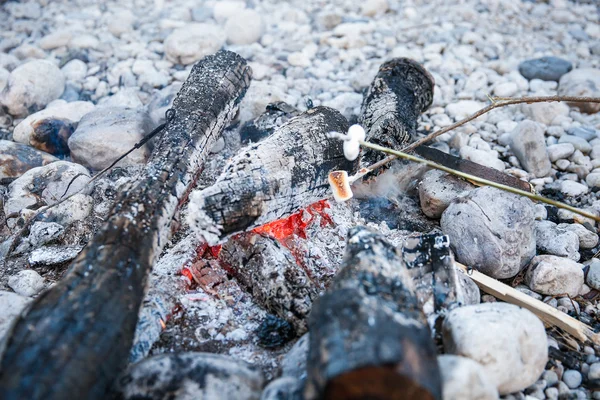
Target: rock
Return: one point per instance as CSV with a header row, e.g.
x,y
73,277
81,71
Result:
x,y
108,132
347,103
470,290
75,70
121,23
294,362
572,378
581,82
192,42
77,208
225,9
11,305
552,239
45,185
244,27
55,40
553,275
41,233
258,96
594,372
84,41
572,188
483,157
529,146
545,68
508,341
49,130
125,98
587,238
371,8
593,275
161,101
31,87
491,230
579,143
53,255
506,89
545,112
560,151
285,388
550,377
464,379
26,282
438,189
17,158
464,108
586,132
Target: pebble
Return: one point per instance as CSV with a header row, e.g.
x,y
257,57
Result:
x,y
161,101
579,143
26,283
587,238
550,377
508,341
76,208
529,146
574,189
506,89
17,158
53,255
11,306
545,112
75,70
464,108
594,372
31,86
294,361
55,40
483,157
492,230
560,151
244,27
553,275
225,9
371,8
463,379
258,96
125,98
572,378
586,132
583,82
438,189
106,133
44,232
554,239
189,44
545,68
593,275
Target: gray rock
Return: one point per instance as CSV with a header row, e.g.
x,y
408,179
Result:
x,y
76,208
545,68
508,341
553,275
55,39
550,377
593,275
244,27
581,82
161,101
545,112
491,230
529,146
128,97
44,232
529,292
284,388
579,143
192,42
294,362
572,188
31,87
586,132
464,379
108,132
469,289
201,14
53,255
551,393
572,378
587,238
75,70
594,372
17,158
26,282
553,239
4,74
593,179
560,151
438,189
11,305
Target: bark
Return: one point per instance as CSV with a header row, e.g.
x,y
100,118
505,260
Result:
x,y
76,337
273,178
271,274
400,92
368,335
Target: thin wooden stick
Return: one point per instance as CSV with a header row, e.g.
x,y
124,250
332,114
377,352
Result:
x,y
497,102
545,312
481,181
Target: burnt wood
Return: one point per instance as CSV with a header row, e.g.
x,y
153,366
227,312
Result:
x,y
75,338
400,92
272,275
273,178
369,338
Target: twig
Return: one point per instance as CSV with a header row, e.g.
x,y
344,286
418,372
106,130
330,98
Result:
x,y
479,180
497,102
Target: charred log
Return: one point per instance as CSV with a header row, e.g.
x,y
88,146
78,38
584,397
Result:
x,y
271,274
368,336
274,178
75,338
275,115
400,92
190,376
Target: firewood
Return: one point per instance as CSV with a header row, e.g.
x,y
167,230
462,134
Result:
x,y
369,339
272,275
76,337
400,92
273,178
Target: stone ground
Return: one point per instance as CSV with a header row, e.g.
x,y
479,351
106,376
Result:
x,y
102,74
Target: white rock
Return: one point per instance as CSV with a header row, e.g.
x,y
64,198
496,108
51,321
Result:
x,y
506,89
482,157
506,125
121,22
579,143
477,80
43,232
529,146
31,87
11,305
84,41
583,82
4,74
75,70
545,112
593,179
258,96
552,239
587,238
26,282
225,9
347,103
553,275
244,27
76,208
192,42
55,39
51,255
108,132
299,59
464,108
126,98
438,189
594,372
508,341
464,379
572,378
370,8
560,151
593,275
571,188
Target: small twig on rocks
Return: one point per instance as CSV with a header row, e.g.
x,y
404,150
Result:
x,y
479,180
497,102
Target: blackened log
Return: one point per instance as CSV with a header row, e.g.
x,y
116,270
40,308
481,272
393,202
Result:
x,y
265,124
76,337
400,92
368,336
273,178
271,274
190,376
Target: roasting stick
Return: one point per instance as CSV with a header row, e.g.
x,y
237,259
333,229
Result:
x,y
545,312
